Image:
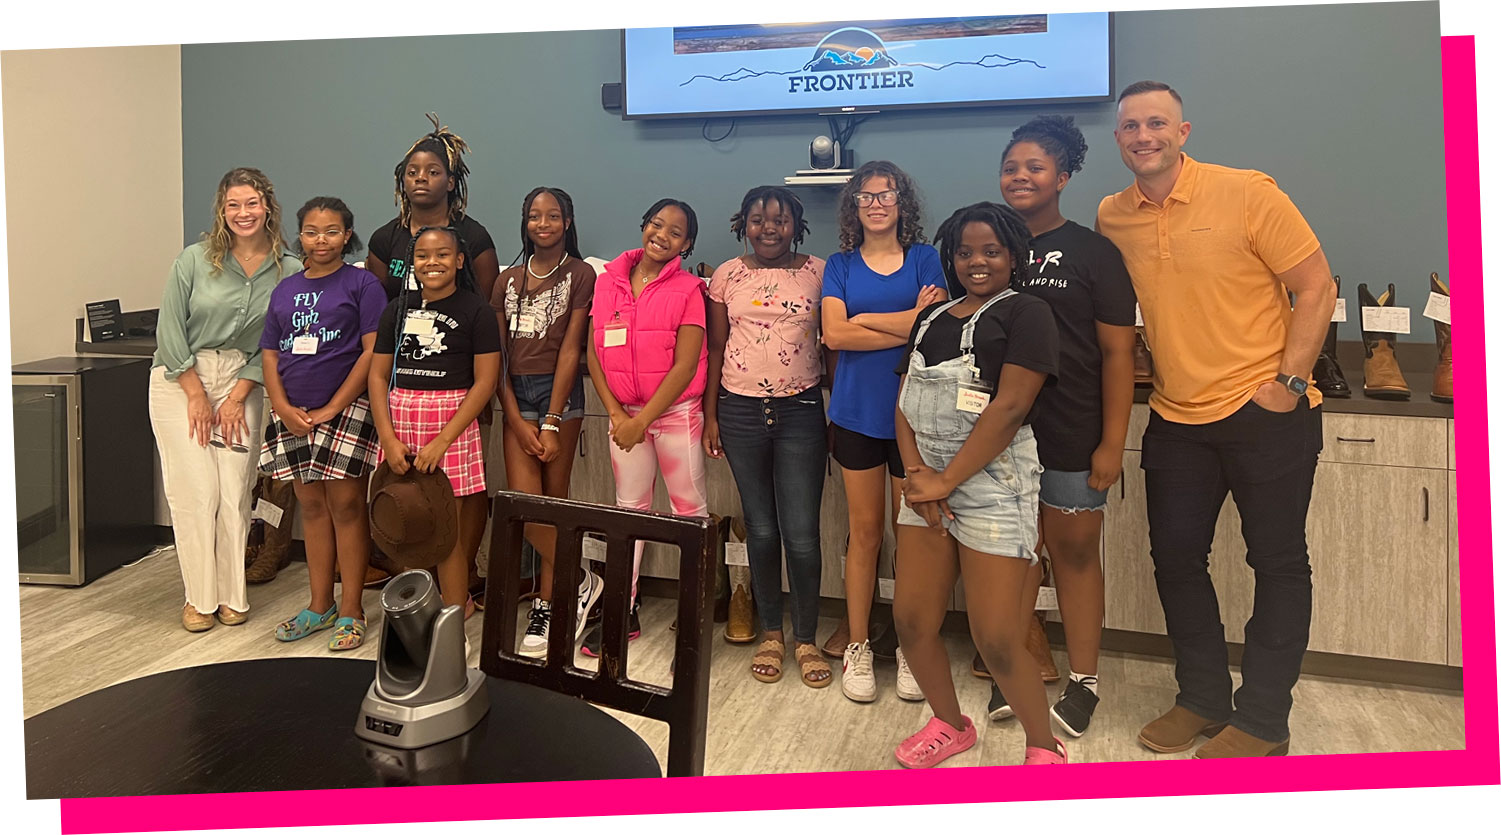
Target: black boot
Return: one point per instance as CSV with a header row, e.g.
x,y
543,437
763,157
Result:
x,y
1328,377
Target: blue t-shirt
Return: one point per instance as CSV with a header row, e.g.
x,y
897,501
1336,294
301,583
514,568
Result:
x,y
864,396
339,309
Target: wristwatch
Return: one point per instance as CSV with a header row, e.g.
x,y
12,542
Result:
x,y
1296,385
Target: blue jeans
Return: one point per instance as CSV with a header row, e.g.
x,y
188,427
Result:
x,y
776,447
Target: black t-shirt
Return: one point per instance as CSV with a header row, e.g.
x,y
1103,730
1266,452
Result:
x,y
1080,274
1018,330
391,242
443,358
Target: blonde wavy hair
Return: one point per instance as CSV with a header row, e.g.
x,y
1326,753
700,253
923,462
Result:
x,y
220,239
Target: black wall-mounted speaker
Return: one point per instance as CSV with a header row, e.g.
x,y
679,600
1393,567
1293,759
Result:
x,y
611,96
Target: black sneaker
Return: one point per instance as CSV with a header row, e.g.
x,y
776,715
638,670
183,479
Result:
x,y
1074,710
883,646
596,635
998,708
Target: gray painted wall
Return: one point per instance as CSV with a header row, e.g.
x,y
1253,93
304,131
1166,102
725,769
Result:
x,y
1341,104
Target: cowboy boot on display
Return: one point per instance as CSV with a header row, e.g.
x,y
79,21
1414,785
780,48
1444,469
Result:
x,y
1443,374
274,554
1383,377
1141,358
1328,377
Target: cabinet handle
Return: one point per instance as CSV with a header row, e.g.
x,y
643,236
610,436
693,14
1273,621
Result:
x,y
582,446
1355,440
1425,504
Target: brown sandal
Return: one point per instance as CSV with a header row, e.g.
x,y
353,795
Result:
x,y
809,661
768,654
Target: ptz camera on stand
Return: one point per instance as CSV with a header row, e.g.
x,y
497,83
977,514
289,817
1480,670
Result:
x,y
827,155
423,691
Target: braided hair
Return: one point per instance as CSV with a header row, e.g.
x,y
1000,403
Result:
x,y
570,235
766,195
1058,137
1009,229
450,148
464,280
687,212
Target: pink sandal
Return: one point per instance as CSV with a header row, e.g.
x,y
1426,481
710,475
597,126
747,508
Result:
x,y
936,742
1042,756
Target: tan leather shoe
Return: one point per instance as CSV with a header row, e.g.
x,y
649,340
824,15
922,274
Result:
x,y
229,617
1383,376
834,646
1141,359
1037,645
1176,730
741,628
1443,373
1234,742
194,620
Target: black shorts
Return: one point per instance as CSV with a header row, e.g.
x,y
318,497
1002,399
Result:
x,y
854,451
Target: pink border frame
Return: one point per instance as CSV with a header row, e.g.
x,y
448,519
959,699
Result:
x,y
1476,764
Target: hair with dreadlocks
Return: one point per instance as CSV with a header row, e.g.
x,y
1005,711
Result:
x,y
687,212
219,240
331,204
464,280
450,148
1009,229
909,220
1058,137
766,195
570,235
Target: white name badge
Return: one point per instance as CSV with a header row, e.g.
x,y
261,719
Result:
x,y
419,324
1438,308
304,345
614,337
527,323
1385,319
972,401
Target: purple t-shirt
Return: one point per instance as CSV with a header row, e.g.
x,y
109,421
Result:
x,y
338,309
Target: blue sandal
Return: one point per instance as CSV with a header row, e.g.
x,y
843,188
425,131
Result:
x,y
306,623
349,633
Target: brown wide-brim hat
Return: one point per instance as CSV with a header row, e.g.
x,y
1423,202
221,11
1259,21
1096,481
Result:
x,y
413,517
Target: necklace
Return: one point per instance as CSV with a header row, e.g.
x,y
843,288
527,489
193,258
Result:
x,y
529,272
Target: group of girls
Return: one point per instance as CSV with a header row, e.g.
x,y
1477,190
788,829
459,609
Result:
x,y
1018,324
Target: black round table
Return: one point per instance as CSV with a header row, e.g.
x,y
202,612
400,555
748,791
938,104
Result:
x,y
288,723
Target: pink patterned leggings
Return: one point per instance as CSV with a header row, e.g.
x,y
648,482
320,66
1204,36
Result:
x,y
673,443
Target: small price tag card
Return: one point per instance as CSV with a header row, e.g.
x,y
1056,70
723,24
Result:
x,y
594,549
268,512
1339,311
1438,308
735,554
1047,599
887,588
1385,319
1139,322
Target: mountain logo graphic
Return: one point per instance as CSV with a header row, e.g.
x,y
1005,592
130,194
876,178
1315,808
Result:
x,y
851,48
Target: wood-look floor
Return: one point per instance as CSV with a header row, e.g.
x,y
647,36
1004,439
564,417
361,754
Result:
x,y
125,625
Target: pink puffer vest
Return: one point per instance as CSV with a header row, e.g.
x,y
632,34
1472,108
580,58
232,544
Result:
x,y
635,370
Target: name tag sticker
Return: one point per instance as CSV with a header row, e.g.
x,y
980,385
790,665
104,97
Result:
x,y
614,336
419,323
1438,308
304,345
1339,311
1385,319
972,401
526,323
735,554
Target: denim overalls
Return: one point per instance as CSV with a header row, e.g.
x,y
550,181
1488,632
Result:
x,y
995,510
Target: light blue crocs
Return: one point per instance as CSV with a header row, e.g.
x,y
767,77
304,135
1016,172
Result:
x,y
306,623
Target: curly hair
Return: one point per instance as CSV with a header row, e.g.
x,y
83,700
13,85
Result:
x,y
909,219
1058,137
219,239
331,204
450,148
771,194
1009,229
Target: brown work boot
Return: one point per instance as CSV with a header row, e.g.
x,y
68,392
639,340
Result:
x,y
1141,358
1176,730
1042,652
1383,376
741,628
1234,742
274,553
1443,374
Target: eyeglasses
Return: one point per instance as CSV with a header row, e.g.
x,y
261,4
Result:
x,y
311,235
885,198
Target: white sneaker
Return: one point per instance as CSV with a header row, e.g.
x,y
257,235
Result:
x,y
859,679
591,588
906,685
534,641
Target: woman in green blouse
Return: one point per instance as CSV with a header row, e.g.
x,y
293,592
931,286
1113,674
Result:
x,y
206,391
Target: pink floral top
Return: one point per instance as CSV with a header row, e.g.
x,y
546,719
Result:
x,y
772,349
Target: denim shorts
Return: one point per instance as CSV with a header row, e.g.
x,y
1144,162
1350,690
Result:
x,y
1070,492
995,510
534,397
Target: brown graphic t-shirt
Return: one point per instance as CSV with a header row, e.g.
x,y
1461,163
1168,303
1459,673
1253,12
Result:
x,y
535,312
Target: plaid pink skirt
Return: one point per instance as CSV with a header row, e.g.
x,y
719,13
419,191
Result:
x,y
418,416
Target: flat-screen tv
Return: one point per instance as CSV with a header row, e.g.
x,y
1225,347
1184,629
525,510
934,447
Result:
x,y
864,65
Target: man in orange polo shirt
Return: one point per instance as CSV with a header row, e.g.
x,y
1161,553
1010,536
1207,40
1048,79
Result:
x,y
1212,253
